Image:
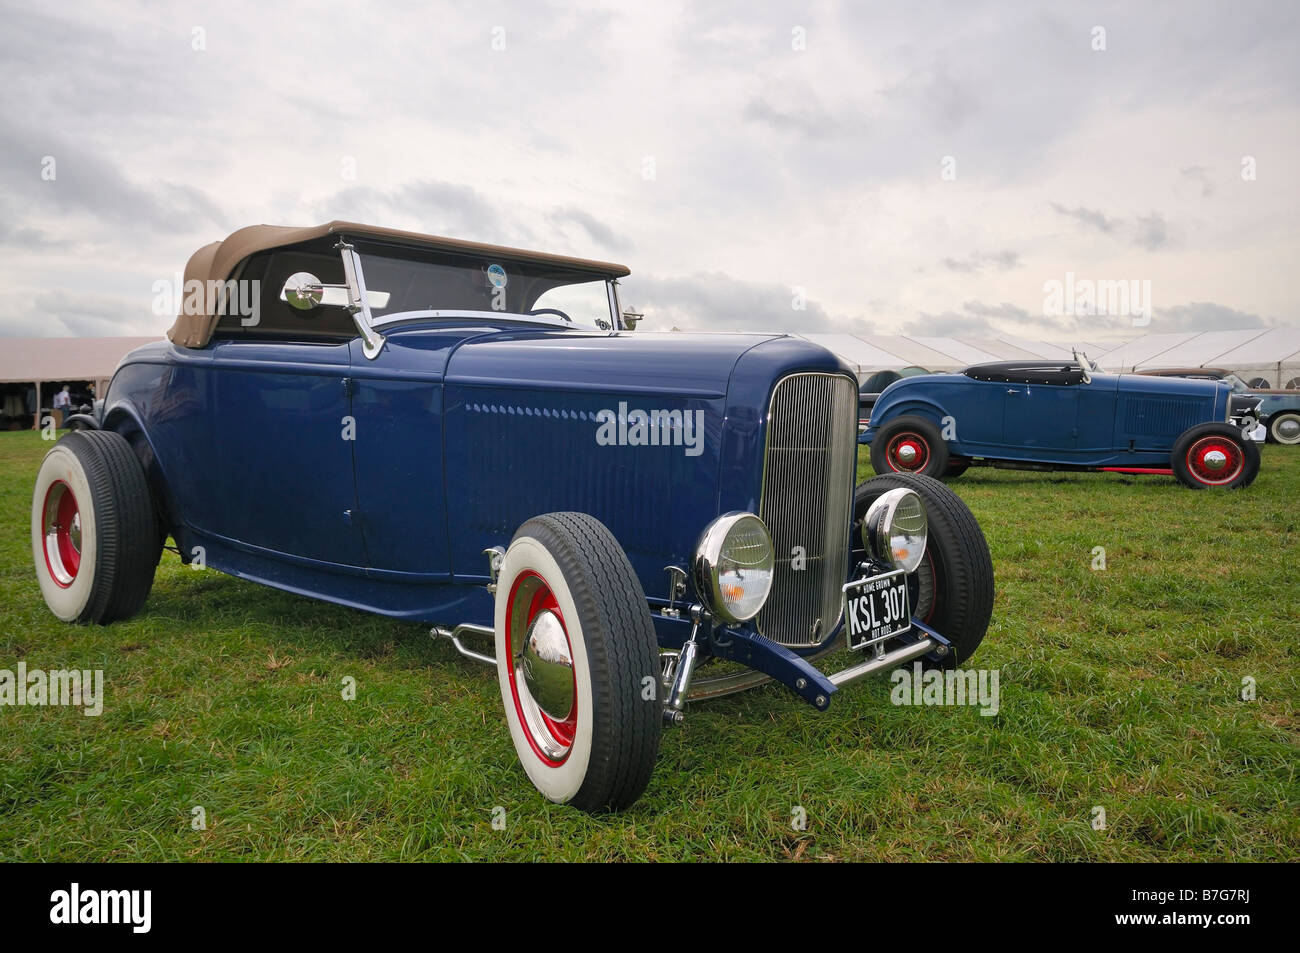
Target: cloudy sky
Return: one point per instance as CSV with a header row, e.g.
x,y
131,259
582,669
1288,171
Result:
x,y
902,167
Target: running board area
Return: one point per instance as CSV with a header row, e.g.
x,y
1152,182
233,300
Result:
x,y
454,635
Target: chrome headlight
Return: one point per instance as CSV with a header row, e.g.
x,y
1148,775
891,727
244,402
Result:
x,y
895,529
734,565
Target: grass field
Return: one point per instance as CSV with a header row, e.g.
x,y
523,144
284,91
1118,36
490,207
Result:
x,y
1120,689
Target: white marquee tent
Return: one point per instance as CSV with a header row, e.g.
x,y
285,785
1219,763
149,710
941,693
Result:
x,y
1271,354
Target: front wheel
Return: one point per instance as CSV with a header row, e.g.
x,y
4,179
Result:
x,y
952,589
1214,455
578,663
909,444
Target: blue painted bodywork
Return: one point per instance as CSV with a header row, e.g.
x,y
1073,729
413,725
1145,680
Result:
x,y
1113,421
377,484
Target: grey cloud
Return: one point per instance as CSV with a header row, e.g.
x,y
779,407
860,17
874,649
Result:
x,y
1205,316
717,302
1201,176
948,323
808,120
600,233
437,207
946,100
85,183
1006,311
1089,217
1152,232
978,261
63,313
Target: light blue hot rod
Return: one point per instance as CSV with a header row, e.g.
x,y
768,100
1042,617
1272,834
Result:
x,y
473,437
1042,415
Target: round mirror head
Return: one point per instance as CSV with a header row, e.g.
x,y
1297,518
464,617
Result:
x,y
303,291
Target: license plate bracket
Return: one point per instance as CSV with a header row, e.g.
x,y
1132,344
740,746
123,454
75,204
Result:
x,y
875,609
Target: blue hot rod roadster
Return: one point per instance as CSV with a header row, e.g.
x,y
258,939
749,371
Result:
x,y
1042,415
472,437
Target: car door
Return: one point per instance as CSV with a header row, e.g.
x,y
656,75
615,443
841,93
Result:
x,y
282,449
397,401
1040,418
975,409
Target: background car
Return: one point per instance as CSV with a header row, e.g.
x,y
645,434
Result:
x,y
870,389
1278,410
1054,416
468,436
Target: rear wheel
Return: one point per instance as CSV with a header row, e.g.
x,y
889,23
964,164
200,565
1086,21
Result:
x,y
95,537
578,663
952,589
1214,455
909,444
1284,428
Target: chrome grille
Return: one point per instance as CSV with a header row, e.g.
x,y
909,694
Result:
x,y
807,498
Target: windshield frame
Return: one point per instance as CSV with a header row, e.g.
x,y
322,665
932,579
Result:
x,y
455,283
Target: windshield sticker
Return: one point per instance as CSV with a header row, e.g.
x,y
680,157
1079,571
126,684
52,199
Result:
x,y
497,275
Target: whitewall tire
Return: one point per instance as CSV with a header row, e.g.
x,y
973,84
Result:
x,y
95,537
577,663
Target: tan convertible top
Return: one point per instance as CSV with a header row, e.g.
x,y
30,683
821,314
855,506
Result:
x,y
216,262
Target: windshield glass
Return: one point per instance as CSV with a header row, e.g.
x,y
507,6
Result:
x,y
421,280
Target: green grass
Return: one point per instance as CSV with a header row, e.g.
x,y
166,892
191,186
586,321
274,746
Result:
x,y
1119,689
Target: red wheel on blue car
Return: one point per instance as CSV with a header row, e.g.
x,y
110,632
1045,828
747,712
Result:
x,y
577,663
1214,455
95,541
909,444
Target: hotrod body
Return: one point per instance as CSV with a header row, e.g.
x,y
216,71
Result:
x,y
428,432
1052,416
245,445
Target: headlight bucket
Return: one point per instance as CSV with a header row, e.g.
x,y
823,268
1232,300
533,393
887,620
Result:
x,y
734,566
895,529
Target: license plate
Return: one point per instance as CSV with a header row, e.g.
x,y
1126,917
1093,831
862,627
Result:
x,y
876,608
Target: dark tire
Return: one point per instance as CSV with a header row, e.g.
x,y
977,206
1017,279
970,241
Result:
x,y
909,444
1284,428
1197,453
956,467
95,535
952,589
599,753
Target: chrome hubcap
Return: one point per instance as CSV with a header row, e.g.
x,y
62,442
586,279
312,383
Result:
x,y
61,527
1215,460
546,666
906,453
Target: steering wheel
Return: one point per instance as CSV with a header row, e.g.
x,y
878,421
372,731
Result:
x,y
555,311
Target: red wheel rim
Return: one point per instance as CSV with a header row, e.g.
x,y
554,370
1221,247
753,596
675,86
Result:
x,y
61,533
550,734
1215,460
907,452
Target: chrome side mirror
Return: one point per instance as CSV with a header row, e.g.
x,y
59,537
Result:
x,y
631,317
304,291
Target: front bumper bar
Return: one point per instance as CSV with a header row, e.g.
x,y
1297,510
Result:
x,y
807,681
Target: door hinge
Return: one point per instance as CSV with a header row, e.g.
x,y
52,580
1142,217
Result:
x,y
347,387
349,517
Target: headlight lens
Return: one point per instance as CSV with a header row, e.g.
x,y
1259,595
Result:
x,y
734,566
895,529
